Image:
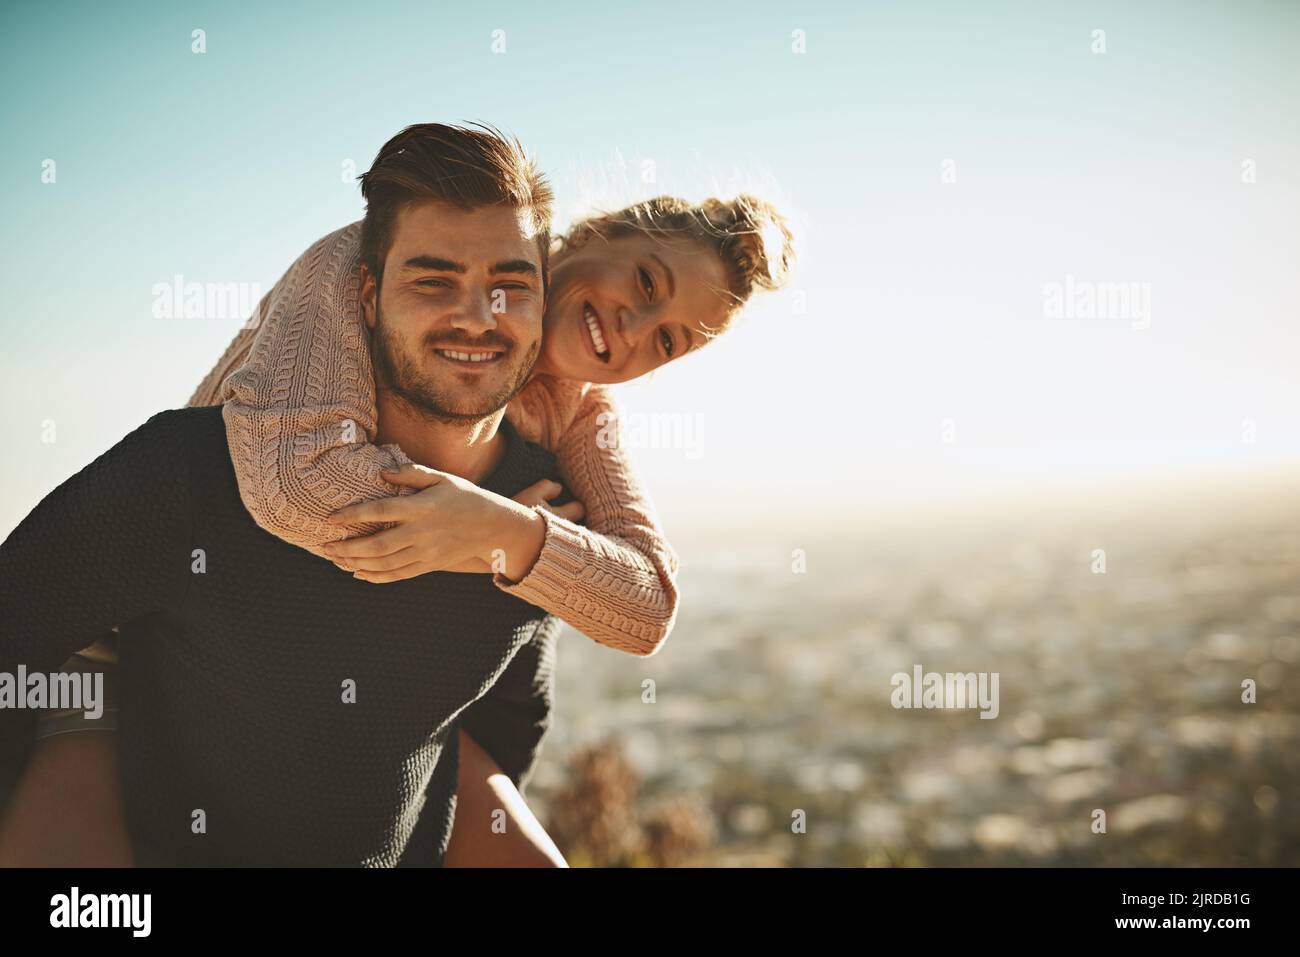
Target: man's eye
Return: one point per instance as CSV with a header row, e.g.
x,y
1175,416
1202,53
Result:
x,y
431,282
647,283
667,340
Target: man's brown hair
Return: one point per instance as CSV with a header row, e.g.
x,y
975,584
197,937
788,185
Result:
x,y
465,166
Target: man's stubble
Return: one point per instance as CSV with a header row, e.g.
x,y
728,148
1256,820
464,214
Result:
x,y
402,375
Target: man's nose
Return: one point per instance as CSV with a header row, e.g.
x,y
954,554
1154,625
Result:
x,y
475,315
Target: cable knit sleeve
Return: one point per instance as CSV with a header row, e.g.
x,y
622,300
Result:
x,y
615,579
299,400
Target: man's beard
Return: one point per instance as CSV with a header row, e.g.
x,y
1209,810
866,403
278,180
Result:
x,y
402,375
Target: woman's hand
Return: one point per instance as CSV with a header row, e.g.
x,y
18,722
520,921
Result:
x,y
449,525
541,493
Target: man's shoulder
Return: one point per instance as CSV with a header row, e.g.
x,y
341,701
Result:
x,y
173,427
168,439
184,417
143,479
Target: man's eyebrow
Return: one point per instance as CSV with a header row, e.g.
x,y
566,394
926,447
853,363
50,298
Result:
x,y
434,262
515,265
672,285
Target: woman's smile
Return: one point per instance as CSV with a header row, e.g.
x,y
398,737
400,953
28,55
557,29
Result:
x,y
596,333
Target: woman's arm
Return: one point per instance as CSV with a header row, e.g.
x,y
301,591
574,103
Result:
x,y
615,580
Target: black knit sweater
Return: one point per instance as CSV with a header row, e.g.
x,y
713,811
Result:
x,y
236,651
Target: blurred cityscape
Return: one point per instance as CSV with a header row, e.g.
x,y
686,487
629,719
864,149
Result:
x,y
1121,690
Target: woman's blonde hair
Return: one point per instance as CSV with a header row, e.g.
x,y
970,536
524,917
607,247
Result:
x,y
748,234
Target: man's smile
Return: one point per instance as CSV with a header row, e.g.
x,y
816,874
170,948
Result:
x,y
468,357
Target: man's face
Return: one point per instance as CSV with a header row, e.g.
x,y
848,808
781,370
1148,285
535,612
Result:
x,y
457,319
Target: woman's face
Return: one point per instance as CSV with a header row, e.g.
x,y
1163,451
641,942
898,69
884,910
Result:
x,y
617,309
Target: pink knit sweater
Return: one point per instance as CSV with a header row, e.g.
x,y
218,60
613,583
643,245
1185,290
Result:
x,y
299,406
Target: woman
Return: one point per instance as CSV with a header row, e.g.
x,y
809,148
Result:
x,y
629,291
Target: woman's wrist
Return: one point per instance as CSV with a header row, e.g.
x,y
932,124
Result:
x,y
514,540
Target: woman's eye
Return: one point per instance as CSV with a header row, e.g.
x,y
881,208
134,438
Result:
x,y
647,283
667,340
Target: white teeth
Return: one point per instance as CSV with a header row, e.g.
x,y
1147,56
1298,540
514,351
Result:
x,y
468,356
593,327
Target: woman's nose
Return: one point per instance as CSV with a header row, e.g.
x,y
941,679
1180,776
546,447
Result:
x,y
633,323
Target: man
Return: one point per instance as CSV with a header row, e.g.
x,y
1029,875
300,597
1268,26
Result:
x,y
276,710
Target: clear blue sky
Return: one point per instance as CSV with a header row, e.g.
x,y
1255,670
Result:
x,y
923,299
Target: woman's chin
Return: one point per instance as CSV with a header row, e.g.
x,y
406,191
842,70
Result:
x,y
556,366
560,362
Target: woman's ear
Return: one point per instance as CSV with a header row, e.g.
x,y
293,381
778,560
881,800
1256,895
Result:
x,y
369,295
